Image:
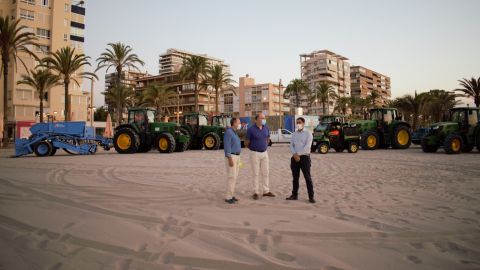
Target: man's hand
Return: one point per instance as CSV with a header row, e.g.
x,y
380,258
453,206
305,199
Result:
x,y
296,157
230,161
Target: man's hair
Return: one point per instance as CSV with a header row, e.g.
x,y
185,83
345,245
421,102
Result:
x,y
301,119
256,116
233,120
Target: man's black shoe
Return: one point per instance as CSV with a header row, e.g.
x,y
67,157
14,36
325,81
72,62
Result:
x,y
292,198
312,200
255,196
235,199
230,201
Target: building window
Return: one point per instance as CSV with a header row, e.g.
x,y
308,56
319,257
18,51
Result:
x,y
43,33
76,31
27,14
31,2
66,8
43,49
24,94
45,3
65,37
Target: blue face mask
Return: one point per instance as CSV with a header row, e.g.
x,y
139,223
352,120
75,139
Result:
x,y
264,122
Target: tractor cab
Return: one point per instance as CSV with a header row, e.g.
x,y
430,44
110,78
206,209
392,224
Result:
x,y
141,118
221,120
466,118
331,118
195,121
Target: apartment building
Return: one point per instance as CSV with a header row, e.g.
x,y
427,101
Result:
x,y
57,24
324,66
364,81
172,61
170,64
129,78
249,99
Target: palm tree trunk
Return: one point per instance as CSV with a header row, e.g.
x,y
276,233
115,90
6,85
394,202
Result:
x,y
41,106
216,101
5,61
297,99
67,104
158,114
119,113
119,75
323,105
196,95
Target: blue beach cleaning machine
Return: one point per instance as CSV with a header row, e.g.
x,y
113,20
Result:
x,y
72,137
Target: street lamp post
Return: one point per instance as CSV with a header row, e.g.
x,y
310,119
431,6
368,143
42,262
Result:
x,y
91,102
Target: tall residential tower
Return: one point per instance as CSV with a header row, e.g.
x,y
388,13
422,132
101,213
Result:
x,y
56,24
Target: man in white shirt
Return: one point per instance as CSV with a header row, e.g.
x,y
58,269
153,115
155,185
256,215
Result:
x,y
300,146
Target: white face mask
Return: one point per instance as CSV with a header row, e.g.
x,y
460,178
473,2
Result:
x,y
239,126
299,126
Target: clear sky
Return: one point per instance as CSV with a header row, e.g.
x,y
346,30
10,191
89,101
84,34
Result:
x,y
421,45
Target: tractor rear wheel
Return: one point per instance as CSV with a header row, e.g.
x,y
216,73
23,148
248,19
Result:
x,y
126,141
43,149
370,140
165,143
428,148
323,148
353,147
402,138
453,144
211,141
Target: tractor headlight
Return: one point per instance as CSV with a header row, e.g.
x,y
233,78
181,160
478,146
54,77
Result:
x,y
435,127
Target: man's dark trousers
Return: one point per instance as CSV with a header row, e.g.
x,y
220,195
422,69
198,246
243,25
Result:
x,y
304,165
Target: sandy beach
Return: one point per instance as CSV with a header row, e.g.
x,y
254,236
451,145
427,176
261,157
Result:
x,y
383,209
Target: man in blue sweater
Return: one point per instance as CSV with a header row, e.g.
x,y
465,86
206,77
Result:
x,y
232,147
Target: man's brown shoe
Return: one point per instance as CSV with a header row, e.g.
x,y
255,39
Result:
x,y
268,194
255,196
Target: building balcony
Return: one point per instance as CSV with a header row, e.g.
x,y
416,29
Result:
x,y
78,10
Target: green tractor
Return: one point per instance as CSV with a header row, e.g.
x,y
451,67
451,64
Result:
x,y
201,133
460,134
336,135
384,129
321,141
141,133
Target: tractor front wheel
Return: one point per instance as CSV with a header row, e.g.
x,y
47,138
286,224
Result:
x,y
353,147
43,149
370,140
402,138
211,141
453,144
126,141
323,148
165,143
427,148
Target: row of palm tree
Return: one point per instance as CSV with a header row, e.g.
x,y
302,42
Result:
x,y
195,69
